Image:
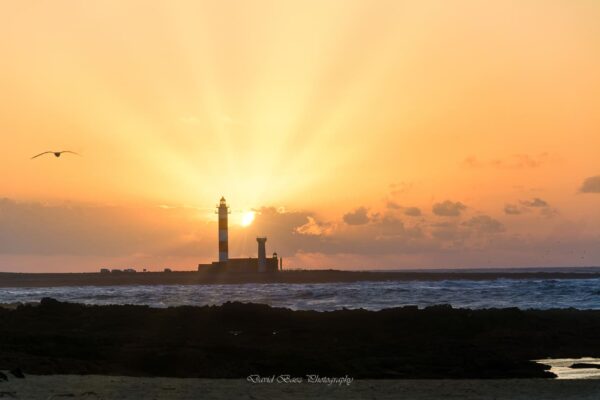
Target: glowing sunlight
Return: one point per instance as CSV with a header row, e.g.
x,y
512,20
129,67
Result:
x,y
247,218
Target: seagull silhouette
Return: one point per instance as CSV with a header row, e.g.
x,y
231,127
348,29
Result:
x,y
56,153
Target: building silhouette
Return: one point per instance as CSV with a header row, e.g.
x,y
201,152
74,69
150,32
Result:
x,y
225,264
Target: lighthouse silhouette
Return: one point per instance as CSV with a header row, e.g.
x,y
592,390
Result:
x,y
246,264
223,211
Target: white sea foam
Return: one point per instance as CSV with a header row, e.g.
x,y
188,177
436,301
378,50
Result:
x,y
562,367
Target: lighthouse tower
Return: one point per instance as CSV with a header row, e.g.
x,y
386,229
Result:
x,y
262,254
223,210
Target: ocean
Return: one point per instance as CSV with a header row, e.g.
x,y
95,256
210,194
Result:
x,y
495,293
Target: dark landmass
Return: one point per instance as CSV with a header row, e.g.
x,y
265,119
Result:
x,y
290,276
236,340
584,365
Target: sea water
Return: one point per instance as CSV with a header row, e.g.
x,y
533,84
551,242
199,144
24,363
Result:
x,y
498,293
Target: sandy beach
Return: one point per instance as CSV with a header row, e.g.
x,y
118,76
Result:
x,y
91,387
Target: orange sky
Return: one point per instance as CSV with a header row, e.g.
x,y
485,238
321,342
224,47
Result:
x,y
333,120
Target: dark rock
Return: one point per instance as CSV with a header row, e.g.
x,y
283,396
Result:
x,y
17,373
438,342
3,376
439,307
584,365
49,301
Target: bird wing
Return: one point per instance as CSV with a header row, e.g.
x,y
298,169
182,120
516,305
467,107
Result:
x,y
41,154
69,151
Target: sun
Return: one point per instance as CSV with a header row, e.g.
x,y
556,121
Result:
x,y
247,218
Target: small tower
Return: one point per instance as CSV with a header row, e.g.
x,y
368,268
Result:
x,y
262,254
223,211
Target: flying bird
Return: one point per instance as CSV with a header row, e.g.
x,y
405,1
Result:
x,y
56,153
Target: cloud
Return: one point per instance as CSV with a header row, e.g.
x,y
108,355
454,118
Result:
x,y
516,161
412,211
526,206
535,203
314,228
176,235
393,205
472,162
288,231
513,209
399,188
448,208
447,231
303,232
521,161
92,230
464,234
389,225
549,212
282,224
409,211
183,235
484,224
148,234
357,217
591,185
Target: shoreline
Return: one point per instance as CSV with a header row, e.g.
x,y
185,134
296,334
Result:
x,y
15,279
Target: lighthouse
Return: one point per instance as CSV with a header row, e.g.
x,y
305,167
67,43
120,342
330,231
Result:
x,y
262,254
223,211
245,264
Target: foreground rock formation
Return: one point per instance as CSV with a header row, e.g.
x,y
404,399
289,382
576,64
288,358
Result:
x,y
236,340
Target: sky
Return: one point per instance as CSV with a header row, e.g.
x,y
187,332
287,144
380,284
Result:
x,y
353,134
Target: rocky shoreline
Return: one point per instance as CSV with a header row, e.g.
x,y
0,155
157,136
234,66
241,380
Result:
x,y
236,340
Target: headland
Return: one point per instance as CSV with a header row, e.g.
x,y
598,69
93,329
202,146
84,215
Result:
x,y
285,276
